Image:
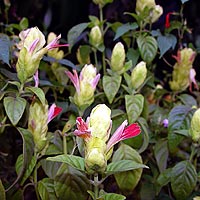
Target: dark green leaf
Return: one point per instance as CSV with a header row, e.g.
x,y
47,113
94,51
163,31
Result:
x,y
50,168
183,1
4,48
14,107
71,184
123,166
165,177
148,48
112,196
179,119
165,43
28,149
39,93
46,189
133,55
124,29
2,191
75,32
128,180
111,86
29,169
74,161
61,61
188,100
134,106
183,179
161,154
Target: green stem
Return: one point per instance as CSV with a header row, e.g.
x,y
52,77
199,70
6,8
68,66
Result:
x,y
96,187
35,180
65,144
102,31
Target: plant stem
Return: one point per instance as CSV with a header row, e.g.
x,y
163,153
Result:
x,y
96,187
102,31
35,180
64,144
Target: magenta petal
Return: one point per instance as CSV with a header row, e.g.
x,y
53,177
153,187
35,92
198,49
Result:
x,y
95,81
33,45
82,129
74,79
53,112
123,133
36,79
54,43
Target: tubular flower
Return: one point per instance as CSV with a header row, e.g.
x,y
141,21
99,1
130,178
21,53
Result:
x,y
154,11
182,74
39,117
96,133
31,52
85,84
167,20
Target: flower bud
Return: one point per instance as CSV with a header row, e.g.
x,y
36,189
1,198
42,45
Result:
x,y
95,159
181,73
155,11
95,37
118,57
138,75
85,85
195,126
100,121
37,124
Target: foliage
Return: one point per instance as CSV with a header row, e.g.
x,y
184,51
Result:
x,y
52,153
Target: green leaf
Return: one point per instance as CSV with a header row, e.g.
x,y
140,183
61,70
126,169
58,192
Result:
x,y
75,32
2,191
111,196
179,119
74,161
148,48
133,55
71,184
140,142
46,189
50,168
124,29
111,85
164,178
23,23
161,154
4,48
128,180
38,92
28,149
188,100
183,1
183,179
14,107
123,166
165,43
29,169
134,106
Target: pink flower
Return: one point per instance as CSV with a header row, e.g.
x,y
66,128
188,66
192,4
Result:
x,y
74,79
83,130
193,80
123,133
54,43
53,112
